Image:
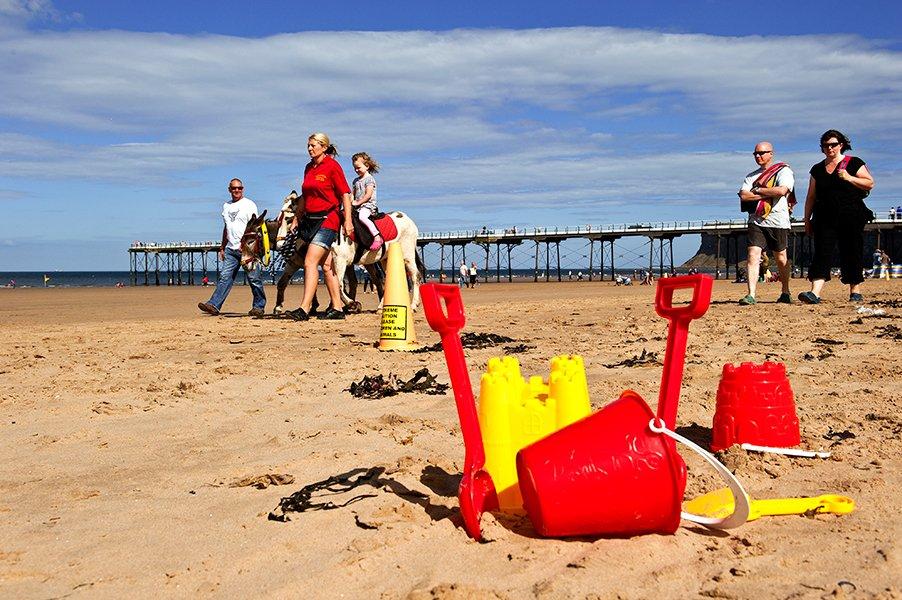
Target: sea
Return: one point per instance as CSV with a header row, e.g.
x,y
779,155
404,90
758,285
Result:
x,y
80,279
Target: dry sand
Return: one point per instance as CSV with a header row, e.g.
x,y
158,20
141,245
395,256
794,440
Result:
x,y
126,414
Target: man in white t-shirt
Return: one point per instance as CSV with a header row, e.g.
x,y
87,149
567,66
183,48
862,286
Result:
x,y
768,187
464,274
235,215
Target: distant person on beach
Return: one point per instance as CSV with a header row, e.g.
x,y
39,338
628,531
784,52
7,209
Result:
x,y
473,274
46,279
769,186
235,215
367,282
464,274
365,194
835,214
885,265
205,281
325,190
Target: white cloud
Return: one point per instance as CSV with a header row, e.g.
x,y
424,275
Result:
x,y
564,124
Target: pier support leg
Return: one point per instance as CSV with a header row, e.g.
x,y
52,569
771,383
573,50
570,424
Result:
x,y
535,272
670,246
454,272
510,273
717,259
547,260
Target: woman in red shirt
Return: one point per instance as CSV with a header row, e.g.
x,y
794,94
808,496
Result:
x,y
324,189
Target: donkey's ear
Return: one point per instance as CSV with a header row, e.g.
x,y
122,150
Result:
x,y
263,216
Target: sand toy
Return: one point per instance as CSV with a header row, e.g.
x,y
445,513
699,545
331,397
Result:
x,y
755,405
515,412
617,472
719,503
785,451
476,493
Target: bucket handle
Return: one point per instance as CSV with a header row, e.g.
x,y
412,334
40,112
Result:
x,y
741,504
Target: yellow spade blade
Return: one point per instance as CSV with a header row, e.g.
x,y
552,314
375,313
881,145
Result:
x,y
719,504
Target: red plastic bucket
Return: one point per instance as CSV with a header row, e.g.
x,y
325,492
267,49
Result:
x,y
607,474
755,405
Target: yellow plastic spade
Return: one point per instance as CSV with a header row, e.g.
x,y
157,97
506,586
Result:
x,y
719,503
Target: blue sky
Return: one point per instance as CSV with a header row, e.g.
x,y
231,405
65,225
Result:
x,y
123,121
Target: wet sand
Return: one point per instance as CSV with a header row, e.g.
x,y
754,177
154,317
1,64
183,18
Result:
x,y
127,413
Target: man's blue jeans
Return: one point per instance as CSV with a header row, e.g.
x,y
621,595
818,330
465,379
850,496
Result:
x,y
227,273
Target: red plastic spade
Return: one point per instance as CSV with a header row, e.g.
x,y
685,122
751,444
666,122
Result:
x,y
675,354
476,493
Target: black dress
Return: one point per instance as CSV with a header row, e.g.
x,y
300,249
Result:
x,y
838,218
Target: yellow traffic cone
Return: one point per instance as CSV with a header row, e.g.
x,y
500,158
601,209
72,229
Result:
x,y
397,331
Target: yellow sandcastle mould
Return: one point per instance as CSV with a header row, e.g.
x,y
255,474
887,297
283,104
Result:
x,y
514,413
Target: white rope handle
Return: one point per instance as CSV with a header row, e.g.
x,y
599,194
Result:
x,y
741,506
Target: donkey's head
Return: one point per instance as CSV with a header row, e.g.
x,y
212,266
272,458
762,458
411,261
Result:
x,y
252,240
293,205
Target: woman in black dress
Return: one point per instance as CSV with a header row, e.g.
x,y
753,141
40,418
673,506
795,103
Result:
x,y
835,214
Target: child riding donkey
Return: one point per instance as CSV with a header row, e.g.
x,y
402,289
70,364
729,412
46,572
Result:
x,y
365,194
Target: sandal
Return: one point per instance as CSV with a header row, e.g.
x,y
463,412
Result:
x,y
332,314
299,314
809,298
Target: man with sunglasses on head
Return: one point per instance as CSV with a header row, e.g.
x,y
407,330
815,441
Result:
x,y
766,193
235,214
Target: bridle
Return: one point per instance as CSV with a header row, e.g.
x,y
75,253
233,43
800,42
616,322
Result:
x,y
260,237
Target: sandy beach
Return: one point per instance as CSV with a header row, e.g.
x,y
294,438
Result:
x,y
127,415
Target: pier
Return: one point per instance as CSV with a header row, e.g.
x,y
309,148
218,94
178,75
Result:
x,y
538,249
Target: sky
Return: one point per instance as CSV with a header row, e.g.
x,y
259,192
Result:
x,y
124,121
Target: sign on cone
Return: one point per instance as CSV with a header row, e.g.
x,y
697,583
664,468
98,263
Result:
x,y
396,332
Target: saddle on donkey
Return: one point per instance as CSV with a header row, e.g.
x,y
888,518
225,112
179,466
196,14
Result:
x,y
362,236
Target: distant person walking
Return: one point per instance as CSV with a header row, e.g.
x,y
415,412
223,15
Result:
x,y
464,274
835,214
46,279
473,274
235,215
767,189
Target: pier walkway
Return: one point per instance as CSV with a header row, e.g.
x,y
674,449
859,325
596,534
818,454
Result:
x,y
186,263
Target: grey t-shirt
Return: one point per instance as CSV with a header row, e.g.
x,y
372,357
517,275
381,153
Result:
x,y
359,186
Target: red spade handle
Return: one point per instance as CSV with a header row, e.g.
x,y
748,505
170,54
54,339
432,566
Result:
x,y
678,332
449,326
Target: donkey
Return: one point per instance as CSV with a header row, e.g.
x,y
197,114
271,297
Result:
x,y
344,249
253,249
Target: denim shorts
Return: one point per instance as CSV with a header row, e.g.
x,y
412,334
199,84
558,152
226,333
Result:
x,y
324,238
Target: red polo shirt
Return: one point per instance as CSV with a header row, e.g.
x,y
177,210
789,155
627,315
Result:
x,y
324,184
